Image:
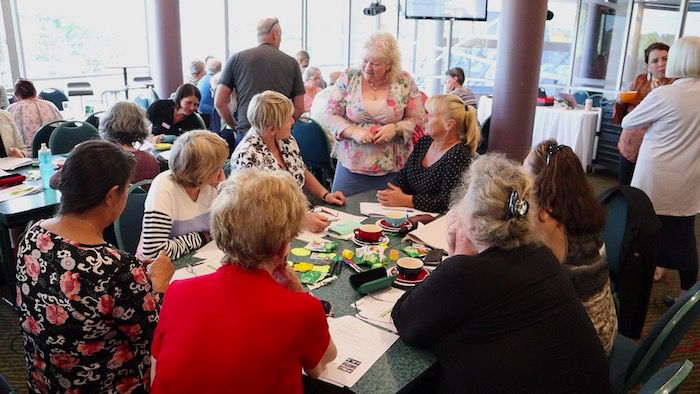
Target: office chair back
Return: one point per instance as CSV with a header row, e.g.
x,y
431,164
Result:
x,y
314,149
668,379
55,96
94,119
43,135
128,225
69,134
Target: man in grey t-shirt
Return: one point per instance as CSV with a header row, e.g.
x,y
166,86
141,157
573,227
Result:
x,y
255,70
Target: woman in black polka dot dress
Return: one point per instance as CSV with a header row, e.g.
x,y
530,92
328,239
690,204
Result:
x,y
439,158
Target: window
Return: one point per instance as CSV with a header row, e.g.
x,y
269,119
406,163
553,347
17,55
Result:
x,y
327,30
244,17
202,30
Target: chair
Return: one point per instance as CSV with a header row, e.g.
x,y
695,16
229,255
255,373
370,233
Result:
x,y
5,387
581,97
668,379
94,119
200,120
632,364
141,101
69,134
314,149
128,225
43,135
79,89
484,143
56,96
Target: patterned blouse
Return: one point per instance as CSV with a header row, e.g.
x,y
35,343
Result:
x,y
87,316
32,113
346,107
252,152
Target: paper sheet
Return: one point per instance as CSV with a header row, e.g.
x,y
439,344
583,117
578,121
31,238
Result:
x,y
19,190
199,268
433,234
308,236
377,209
359,346
12,163
376,308
209,251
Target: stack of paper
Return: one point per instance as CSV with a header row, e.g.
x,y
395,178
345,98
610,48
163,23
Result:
x,y
337,217
376,308
377,209
12,163
433,234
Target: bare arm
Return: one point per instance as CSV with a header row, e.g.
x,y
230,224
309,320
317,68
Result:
x,y
223,95
298,106
328,356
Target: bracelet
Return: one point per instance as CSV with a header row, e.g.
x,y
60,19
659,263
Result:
x,y
324,196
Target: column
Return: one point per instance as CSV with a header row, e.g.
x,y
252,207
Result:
x,y
165,46
520,42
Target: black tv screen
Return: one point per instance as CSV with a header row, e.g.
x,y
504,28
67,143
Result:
x,y
462,10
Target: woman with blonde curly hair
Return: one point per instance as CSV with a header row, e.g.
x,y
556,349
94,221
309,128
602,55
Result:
x,y
440,157
373,112
500,314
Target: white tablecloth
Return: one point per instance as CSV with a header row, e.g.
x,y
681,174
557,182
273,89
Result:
x,y
572,127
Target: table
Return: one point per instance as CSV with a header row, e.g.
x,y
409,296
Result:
x,y
572,127
401,364
17,212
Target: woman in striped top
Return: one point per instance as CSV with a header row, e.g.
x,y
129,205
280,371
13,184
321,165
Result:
x,y
176,217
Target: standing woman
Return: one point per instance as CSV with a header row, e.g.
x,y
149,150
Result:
x,y
87,310
669,152
373,113
31,112
436,165
174,117
655,59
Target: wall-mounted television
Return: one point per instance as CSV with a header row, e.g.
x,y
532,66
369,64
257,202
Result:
x,y
459,10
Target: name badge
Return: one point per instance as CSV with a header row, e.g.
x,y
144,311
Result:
x,y
165,125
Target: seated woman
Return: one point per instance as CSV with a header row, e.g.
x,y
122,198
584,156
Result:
x,y
176,217
252,325
31,112
12,143
500,314
125,123
312,85
86,308
571,219
269,145
440,157
174,117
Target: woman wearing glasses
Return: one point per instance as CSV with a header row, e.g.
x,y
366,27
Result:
x,y
570,220
499,314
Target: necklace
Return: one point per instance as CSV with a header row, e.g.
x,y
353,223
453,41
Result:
x,y
375,85
97,231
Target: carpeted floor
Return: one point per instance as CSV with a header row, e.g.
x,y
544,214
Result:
x,y
12,364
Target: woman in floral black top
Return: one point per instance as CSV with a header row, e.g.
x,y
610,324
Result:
x,y
87,309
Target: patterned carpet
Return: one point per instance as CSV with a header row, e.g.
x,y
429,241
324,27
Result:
x,y
12,364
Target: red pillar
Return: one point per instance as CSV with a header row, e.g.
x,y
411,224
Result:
x,y
520,42
165,46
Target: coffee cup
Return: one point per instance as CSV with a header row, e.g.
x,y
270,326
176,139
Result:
x,y
396,219
368,233
409,267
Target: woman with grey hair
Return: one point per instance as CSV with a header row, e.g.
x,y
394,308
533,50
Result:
x,y
252,324
500,314
313,83
125,124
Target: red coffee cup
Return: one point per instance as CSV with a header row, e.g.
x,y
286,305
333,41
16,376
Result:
x,y
368,233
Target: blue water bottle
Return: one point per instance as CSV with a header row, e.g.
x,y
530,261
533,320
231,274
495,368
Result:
x,y
45,165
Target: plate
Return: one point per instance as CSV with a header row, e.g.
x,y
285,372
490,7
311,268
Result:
x,y
406,282
162,146
383,240
387,227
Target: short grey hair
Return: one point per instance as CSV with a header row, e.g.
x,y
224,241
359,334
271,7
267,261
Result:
x,y
256,214
196,67
310,71
684,58
213,65
484,195
384,46
265,26
124,123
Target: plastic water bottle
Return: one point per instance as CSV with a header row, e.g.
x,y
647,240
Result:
x,y
45,165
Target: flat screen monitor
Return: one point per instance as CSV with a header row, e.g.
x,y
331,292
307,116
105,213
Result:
x,y
462,10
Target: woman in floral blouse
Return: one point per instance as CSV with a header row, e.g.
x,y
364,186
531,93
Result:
x,y
373,112
87,309
269,145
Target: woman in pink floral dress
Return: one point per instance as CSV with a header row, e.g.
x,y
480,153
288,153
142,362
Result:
x,y
373,113
87,309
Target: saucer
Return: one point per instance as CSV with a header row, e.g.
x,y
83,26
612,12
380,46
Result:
x,y
406,282
405,226
384,239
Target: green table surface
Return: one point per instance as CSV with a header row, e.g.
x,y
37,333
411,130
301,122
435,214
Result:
x,y
401,363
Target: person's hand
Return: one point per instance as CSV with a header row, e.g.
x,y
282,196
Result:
x,y
157,139
457,240
286,277
315,222
14,152
160,271
393,196
362,135
385,134
337,198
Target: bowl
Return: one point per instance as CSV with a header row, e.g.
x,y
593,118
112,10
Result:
x,y
628,96
409,267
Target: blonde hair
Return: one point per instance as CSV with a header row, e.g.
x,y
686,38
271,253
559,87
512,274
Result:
x,y
452,107
256,214
384,46
196,155
684,58
269,109
484,195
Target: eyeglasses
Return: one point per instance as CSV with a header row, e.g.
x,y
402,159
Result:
x,y
272,25
551,151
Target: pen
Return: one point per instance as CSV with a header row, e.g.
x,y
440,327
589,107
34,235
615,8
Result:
x,y
399,209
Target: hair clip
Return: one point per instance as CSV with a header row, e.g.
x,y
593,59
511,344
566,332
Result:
x,y
551,150
517,207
